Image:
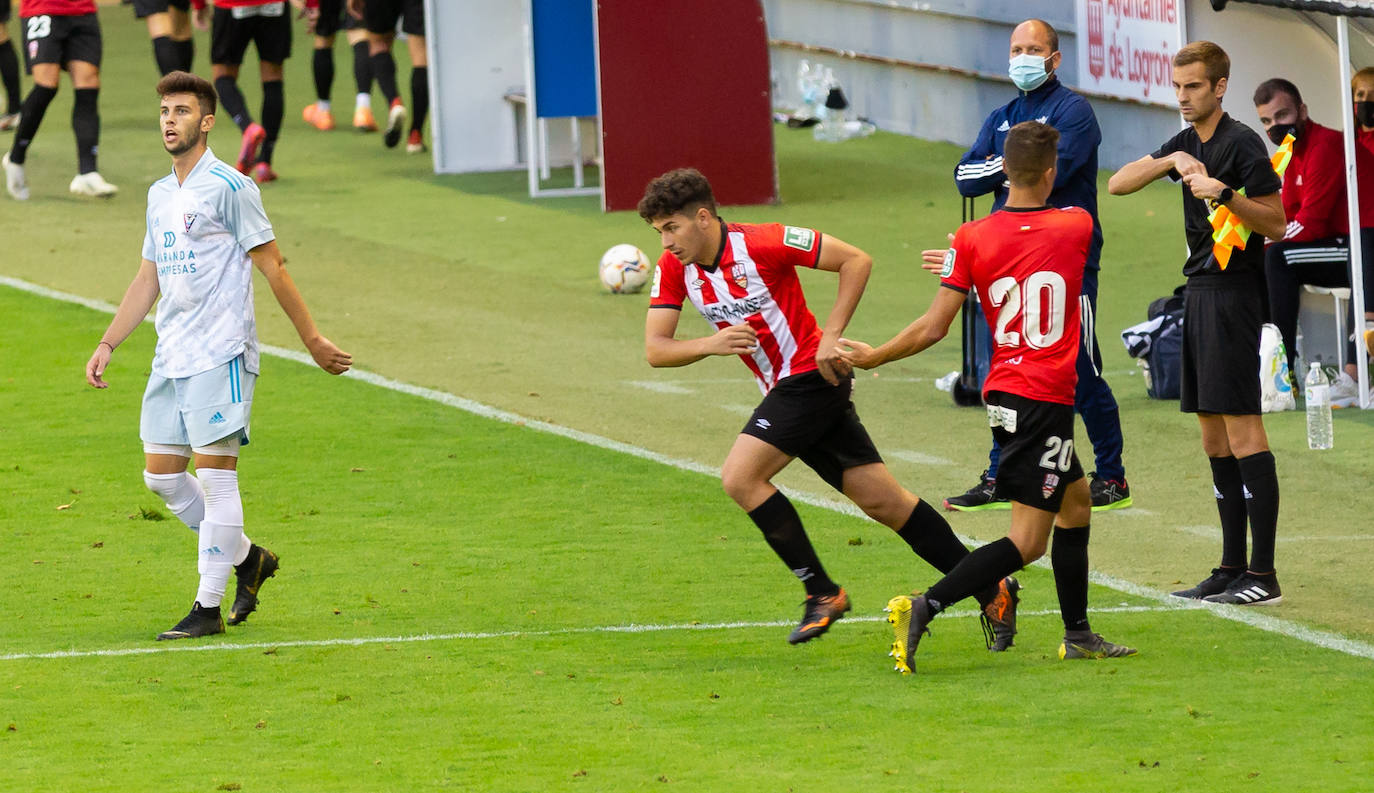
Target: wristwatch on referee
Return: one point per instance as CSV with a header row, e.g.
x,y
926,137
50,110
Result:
x,y
1225,196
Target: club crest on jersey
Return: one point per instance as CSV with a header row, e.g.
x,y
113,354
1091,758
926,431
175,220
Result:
x,y
189,217
948,269
1051,482
801,239
741,276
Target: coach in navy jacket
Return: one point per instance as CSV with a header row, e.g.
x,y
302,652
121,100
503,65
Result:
x,y
1034,56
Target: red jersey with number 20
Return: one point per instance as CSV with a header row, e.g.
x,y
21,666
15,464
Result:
x,y
1027,266
753,280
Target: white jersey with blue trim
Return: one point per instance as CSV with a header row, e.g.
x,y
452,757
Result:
x,y
198,234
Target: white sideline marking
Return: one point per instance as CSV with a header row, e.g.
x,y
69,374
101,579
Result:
x,y
1214,533
1325,639
739,407
918,458
188,647
659,386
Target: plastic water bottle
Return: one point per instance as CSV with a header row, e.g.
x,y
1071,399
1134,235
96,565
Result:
x,y
831,128
809,87
1317,396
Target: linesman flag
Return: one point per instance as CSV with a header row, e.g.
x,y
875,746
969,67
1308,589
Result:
x,y
1228,232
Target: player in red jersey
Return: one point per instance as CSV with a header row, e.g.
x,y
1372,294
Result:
x,y
1026,261
60,35
742,278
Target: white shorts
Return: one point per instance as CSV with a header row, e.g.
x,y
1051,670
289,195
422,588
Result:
x,y
200,409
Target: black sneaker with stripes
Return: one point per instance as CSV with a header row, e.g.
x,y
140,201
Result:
x,y
1250,590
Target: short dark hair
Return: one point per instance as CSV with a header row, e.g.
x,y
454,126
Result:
x,y
682,190
1030,149
1215,62
1267,90
187,83
1049,31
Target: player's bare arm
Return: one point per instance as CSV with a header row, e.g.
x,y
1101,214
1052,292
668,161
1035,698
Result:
x,y
663,350
919,335
1263,214
853,266
133,308
933,259
1135,175
268,259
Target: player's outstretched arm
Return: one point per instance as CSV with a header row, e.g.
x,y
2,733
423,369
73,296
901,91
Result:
x,y
853,266
924,332
138,299
662,350
267,258
1135,175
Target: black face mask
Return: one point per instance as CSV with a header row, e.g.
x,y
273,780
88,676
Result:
x,y
1278,132
1364,113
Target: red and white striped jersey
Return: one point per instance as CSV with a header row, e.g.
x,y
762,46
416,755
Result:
x,y
1027,266
753,280
57,8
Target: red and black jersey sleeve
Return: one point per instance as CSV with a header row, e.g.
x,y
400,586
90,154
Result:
x,y
57,8
958,269
670,288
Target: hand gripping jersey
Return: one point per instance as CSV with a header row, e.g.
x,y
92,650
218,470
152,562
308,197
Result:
x,y
753,280
1027,266
199,234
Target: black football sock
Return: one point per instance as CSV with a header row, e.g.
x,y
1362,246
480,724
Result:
x,y
1230,493
419,93
929,535
165,53
31,115
982,568
273,108
186,54
324,73
1069,558
782,528
362,68
1262,481
232,100
384,70
9,75
86,125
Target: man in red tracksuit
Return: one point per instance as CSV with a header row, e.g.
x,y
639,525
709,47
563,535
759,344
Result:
x,y
1315,248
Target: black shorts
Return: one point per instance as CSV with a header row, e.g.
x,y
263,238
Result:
x,y
1038,459
381,16
143,8
230,35
1221,337
806,417
4,11
58,39
334,17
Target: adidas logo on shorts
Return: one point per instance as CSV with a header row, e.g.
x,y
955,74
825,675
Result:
x,y
218,418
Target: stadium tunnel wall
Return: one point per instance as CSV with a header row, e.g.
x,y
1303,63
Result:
x,y
935,69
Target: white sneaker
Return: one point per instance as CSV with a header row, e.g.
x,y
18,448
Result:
x,y
8,121
14,179
93,184
1345,392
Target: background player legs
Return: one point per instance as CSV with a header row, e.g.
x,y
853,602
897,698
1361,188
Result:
x,y
225,77
85,113
273,110
384,71
173,45
362,80
9,77
419,93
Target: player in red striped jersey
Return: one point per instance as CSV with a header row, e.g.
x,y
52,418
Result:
x,y
60,35
1026,261
742,278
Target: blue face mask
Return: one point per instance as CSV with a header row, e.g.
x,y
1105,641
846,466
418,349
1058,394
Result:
x,y
1028,72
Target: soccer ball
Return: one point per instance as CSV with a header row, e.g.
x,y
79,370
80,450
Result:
x,y
625,269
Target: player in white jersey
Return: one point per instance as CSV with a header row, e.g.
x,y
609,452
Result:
x,y
205,231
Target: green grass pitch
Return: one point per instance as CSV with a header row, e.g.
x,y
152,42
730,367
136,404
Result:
x,y
473,604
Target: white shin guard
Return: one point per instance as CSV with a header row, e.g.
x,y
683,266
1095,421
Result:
x,y
222,541
181,493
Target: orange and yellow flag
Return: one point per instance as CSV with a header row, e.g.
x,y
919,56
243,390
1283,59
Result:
x,y
1228,232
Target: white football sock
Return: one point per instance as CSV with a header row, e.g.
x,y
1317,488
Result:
x,y
221,533
182,495
362,100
